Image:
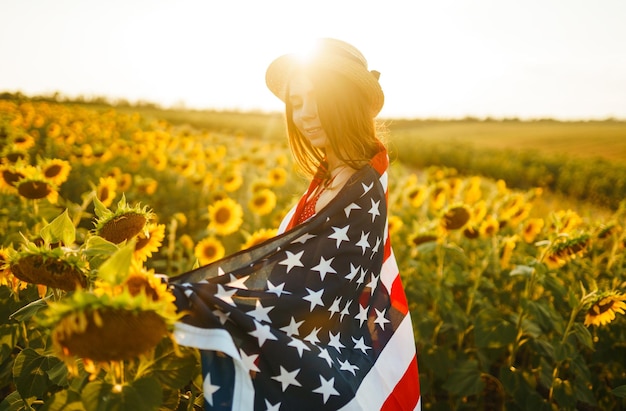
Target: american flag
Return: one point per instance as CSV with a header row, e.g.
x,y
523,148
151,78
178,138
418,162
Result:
x,y
313,319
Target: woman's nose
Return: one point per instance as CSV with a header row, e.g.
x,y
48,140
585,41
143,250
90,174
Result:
x,y
309,109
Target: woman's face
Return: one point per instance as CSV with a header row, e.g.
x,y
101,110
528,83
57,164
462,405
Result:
x,y
304,111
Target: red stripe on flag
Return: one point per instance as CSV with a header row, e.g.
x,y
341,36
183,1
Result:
x,y
398,297
406,393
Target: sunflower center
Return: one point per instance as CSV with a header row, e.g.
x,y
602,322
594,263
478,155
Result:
x,y
34,190
222,215
123,227
53,171
11,177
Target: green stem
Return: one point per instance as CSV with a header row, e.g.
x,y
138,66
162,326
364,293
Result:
x,y
557,365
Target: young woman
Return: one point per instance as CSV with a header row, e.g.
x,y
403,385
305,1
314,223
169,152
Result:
x,y
316,318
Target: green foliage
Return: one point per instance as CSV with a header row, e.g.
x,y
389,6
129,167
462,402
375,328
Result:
x,y
500,306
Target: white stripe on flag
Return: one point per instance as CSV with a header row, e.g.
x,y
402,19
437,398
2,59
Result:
x,y
388,370
220,340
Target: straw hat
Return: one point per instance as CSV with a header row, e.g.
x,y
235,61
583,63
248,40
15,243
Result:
x,y
330,54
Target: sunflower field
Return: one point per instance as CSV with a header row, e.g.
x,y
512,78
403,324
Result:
x,y
515,304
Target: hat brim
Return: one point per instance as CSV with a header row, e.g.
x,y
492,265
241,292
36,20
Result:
x,y
280,71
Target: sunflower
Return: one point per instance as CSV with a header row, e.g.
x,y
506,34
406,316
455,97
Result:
x,y
146,185
566,250
438,196
208,250
55,170
258,237
473,191
394,224
105,191
124,223
23,141
186,241
124,181
565,221
232,180
422,237
508,245
225,216
455,217
602,310
454,183
471,232
37,188
416,195
278,176
6,276
532,229
111,323
9,176
262,202
158,160
52,267
53,130
489,227
149,241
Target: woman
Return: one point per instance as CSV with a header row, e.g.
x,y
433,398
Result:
x,y
315,318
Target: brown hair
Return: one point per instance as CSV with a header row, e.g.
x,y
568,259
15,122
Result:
x,y
347,119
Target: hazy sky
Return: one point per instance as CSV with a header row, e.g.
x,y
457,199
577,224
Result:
x,y
438,58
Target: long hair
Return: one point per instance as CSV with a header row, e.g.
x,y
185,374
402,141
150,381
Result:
x,y
346,118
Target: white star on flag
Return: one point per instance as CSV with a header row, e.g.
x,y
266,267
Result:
x,y
327,388
334,308
262,333
249,361
360,344
209,389
298,345
334,341
292,260
287,378
346,366
325,355
312,337
366,188
292,328
272,407
260,313
374,210
376,246
351,207
345,311
353,271
363,241
380,318
361,279
276,289
362,315
303,238
239,282
223,317
373,284
224,295
340,234
324,267
314,297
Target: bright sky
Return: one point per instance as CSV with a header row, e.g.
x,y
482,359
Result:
x,y
438,58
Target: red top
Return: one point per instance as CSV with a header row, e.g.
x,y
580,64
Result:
x,y
306,207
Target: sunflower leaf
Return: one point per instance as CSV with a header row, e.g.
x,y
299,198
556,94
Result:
x,y
99,208
30,372
115,269
61,229
619,391
144,394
